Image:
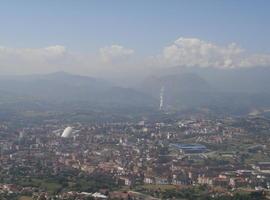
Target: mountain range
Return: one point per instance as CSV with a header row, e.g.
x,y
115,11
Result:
x,y
235,91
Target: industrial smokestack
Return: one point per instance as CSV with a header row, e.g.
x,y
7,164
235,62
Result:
x,y
161,98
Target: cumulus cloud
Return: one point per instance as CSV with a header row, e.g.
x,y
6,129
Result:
x,y
28,54
106,61
195,52
27,60
115,53
116,60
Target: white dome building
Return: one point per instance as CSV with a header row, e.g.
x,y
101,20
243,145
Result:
x,y
67,133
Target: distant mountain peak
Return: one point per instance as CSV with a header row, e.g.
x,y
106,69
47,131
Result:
x,y
59,73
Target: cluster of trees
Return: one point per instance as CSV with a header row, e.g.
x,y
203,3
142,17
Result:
x,y
201,193
66,180
241,196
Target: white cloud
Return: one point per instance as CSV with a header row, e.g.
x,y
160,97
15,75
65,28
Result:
x,y
195,52
35,60
116,60
106,61
115,53
28,54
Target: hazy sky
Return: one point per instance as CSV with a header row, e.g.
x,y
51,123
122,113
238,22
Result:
x,y
104,36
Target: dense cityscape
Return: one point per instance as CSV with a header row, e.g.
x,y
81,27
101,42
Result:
x,y
184,158
134,100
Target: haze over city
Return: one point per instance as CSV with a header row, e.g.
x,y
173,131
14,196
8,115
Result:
x,y
134,100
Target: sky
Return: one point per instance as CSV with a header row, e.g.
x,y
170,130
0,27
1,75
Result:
x,y
97,37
